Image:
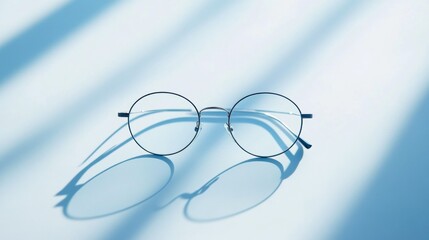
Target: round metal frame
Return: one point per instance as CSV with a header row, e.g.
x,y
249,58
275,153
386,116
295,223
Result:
x,y
163,92
228,122
259,93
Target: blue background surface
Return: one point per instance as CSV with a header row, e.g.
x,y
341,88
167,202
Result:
x,y
68,67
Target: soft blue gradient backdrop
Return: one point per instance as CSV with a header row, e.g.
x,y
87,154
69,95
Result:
x,y
68,67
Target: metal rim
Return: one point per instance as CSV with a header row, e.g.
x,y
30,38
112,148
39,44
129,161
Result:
x,y
163,92
268,93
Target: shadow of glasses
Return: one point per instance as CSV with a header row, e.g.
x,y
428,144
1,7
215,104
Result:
x,y
138,179
108,192
241,187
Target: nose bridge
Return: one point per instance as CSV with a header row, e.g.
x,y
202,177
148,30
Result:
x,y
214,108
198,127
214,118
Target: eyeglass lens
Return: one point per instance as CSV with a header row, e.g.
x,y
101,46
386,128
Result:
x,y
262,124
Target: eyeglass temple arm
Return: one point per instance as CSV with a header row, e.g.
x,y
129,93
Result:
x,y
264,112
303,115
302,141
125,114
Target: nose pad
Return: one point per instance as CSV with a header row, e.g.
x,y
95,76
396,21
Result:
x,y
197,126
198,129
228,128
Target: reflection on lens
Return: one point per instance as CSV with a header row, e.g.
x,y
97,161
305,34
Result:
x,y
235,190
265,124
119,187
163,123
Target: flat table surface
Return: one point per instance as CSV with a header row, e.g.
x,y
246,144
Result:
x,y
68,67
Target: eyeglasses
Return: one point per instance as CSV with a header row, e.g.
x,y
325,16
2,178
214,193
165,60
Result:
x,y
165,123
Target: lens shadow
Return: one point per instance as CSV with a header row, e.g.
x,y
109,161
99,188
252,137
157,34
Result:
x,y
235,190
119,187
238,189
